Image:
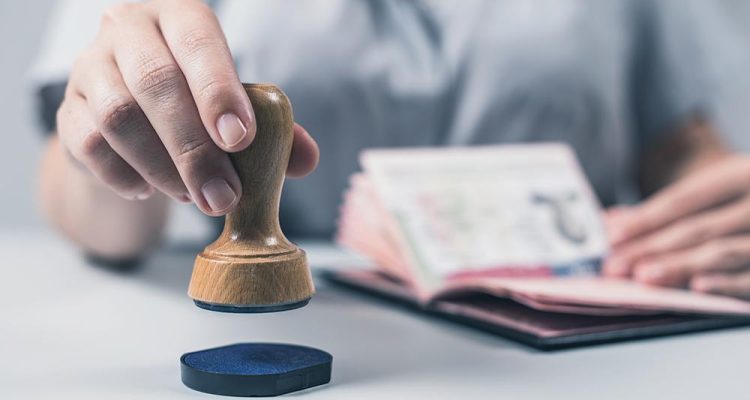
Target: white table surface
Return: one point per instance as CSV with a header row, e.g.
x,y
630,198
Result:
x,y
70,330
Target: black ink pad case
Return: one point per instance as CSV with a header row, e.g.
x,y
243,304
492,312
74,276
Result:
x,y
255,369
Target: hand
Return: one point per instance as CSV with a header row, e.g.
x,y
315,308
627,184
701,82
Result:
x,y
155,103
695,233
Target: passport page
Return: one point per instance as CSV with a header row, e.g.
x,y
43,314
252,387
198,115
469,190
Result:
x,y
521,210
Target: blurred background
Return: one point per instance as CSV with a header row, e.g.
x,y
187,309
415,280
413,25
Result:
x,y
22,29
22,26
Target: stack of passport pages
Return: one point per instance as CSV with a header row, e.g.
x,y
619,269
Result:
x,y
508,239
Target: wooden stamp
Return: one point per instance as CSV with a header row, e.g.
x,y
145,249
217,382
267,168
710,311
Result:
x,y
252,267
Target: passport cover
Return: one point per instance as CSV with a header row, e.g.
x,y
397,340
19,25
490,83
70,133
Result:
x,y
544,330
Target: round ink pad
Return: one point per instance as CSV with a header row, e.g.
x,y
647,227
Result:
x,y
255,369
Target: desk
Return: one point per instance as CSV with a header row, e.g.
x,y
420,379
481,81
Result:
x,y
70,330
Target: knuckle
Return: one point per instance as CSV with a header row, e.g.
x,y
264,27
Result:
x,y
117,115
194,41
731,255
214,92
192,151
158,80
93,145
698,233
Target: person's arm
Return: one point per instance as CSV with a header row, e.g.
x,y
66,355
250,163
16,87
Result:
x,y
96,219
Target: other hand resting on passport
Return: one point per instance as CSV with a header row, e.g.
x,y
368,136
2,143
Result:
x,y
694,233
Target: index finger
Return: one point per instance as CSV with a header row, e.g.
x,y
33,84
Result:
x,y
690,195
199,47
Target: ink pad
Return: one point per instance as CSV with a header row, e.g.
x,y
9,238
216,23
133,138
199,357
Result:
x,y
255,369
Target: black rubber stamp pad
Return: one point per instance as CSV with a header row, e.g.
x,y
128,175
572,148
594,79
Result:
x,y
255,369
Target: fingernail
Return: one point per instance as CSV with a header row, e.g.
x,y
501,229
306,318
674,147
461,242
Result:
x,y
219,195
146,193
231,129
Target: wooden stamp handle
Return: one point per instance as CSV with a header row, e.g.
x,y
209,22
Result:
x,y
252,267
254,224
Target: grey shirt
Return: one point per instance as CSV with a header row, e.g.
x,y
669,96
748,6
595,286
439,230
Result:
x,y
608,77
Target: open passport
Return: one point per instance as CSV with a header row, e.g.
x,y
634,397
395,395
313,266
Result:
x,y
507,238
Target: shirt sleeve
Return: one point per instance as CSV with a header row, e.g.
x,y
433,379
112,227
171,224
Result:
x,y
687,59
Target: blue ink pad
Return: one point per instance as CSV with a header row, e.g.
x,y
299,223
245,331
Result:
x,y
255,369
